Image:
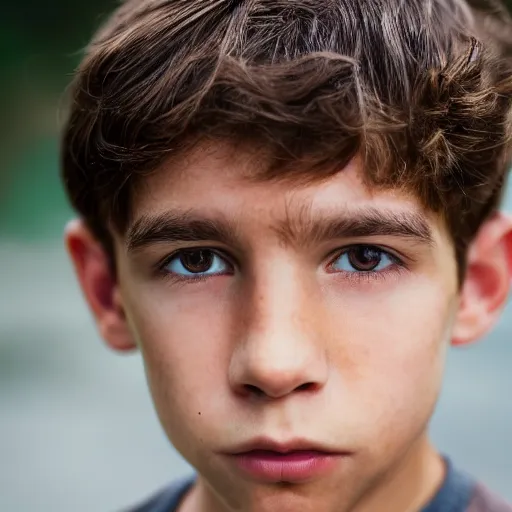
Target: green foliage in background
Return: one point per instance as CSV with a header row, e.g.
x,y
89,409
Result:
x,y
40,45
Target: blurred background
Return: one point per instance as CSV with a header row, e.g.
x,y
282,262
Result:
x,y
77,428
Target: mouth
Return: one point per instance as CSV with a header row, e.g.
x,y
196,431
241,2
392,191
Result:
x,y
294,462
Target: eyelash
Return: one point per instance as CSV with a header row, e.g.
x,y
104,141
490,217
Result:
x,y
367,277
176,278
360,277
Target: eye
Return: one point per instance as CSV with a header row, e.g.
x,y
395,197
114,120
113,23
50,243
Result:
x,y
196,263
363,258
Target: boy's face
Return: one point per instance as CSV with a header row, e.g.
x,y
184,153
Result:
x,y
310,317
288,341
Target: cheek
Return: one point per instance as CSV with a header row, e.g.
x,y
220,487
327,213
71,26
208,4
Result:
x,y
391,360
185,347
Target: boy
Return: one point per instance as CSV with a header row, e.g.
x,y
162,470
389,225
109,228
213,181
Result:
x,y
291,209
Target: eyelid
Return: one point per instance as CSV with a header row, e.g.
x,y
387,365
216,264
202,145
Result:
x,y
392,253
399,267
161,264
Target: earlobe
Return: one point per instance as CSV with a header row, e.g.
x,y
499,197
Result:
x,y
487,282
99,285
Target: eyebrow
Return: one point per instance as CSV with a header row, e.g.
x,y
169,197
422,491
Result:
x,y
300,229
304,229
172,227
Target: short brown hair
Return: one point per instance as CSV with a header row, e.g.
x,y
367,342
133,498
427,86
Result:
x,y
421,89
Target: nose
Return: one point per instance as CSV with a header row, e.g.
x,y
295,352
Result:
x,y
279,348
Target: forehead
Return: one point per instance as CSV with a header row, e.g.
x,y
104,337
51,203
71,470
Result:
x,y
218,178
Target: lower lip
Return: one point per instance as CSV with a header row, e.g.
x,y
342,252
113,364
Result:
x,y
298,466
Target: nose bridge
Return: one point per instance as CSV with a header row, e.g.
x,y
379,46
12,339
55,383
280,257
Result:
x,y
280,347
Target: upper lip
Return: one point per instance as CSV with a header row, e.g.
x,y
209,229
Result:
x,y
270,445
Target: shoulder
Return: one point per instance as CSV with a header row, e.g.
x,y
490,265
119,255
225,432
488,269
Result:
x,y
166,500
483,500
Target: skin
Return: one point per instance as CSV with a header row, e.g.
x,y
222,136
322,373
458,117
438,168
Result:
x,y
294,341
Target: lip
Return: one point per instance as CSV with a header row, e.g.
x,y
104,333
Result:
x,y
294,462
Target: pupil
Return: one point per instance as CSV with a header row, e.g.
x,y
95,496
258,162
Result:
x,y
197,261
364,258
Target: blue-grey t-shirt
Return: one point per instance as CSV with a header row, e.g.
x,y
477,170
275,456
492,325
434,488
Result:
x,y
459,493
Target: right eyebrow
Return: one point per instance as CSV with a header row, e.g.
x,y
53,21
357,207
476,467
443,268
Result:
x,y
171,227
306,229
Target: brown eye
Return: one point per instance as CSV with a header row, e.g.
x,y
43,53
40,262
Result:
x,y
196,261
364,258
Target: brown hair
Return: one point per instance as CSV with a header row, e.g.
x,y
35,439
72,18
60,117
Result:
x,y
420,89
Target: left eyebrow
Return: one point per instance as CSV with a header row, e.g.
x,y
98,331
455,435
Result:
x,y
178,226
304,229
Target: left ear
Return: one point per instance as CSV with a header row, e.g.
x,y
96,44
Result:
x,y
487,282
99,285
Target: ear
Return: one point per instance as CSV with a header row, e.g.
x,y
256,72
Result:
x,y
487,282
99,285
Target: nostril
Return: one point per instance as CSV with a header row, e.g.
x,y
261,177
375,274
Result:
x,y
309,386
253,390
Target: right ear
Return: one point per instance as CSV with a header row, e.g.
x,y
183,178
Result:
x,y
99,285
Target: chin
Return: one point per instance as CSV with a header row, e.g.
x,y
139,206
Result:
x,y
321,495
284,497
